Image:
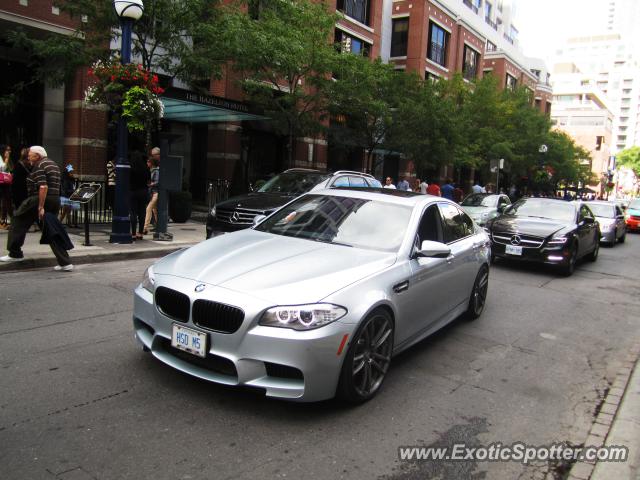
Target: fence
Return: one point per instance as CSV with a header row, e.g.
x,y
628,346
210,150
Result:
x,y
217,191
99,209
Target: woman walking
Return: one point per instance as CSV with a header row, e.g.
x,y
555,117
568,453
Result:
x,y
152,207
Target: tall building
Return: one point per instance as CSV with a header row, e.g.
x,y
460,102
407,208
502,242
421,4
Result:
x,y
582,110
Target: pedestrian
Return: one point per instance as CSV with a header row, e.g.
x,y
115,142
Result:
x,y
155,153
388,183
434,189
111,184
152,206
423,187
21,171
447,190
67,187
139,196
458,194
43,190
404,184
6,179
416,185
477,188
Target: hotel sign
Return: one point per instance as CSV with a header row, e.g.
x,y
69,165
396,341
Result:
x,y
208,100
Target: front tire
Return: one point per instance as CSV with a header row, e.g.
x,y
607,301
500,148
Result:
x,y
368,358
570,267
593,256
623,237
478,297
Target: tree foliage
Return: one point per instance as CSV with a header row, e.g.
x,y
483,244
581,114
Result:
x,y
630,158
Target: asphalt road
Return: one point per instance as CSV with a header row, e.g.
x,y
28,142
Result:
x,y
79,400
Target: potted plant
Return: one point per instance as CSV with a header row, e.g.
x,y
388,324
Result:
x,y
180,206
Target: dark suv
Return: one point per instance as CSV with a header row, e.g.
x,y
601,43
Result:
x,y
238,212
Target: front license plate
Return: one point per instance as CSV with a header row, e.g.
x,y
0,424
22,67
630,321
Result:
x,y
189,340
513,250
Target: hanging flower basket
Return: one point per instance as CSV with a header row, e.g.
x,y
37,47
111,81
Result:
x,y
130,91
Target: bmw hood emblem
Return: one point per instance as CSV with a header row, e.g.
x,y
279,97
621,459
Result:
x,y
200,287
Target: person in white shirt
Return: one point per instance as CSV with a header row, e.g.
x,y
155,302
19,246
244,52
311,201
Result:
x,y
477,188
388,184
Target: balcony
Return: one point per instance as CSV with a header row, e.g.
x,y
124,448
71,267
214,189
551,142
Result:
x,y
493,25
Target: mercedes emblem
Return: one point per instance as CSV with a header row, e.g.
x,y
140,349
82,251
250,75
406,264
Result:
x,y
515,240
235,216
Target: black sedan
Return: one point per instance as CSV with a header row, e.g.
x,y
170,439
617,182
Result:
x,y
545,230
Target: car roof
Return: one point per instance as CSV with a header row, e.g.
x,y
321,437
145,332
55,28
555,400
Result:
x,y
351,172
383,194
600,202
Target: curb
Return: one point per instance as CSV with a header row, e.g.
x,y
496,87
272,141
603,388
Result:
x,y
50,261
601,428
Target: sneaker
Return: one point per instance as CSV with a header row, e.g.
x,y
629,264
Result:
x,y
66,268
8,258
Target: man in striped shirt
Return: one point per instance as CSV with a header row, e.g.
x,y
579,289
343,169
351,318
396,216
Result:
x,y
43,189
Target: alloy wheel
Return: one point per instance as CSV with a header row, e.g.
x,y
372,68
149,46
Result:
x,y
372,355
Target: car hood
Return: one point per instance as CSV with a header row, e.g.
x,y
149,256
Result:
x,y
539,227
257,201
273,267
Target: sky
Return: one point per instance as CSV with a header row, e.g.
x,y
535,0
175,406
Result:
x,y
544,25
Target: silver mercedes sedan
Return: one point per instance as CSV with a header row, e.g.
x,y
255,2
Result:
x,y
315,300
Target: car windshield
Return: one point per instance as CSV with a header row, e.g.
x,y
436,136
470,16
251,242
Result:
x,y
539,208
602,210
353,222
480,200
635,204
294,183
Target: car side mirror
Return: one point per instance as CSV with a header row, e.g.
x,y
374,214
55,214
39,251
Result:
x,y
257,219
620,217
430,249
588,220
502,208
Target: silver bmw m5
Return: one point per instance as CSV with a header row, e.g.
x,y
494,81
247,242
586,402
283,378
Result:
x,y
316,299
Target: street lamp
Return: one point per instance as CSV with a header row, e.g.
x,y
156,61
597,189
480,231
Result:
x,y
128,11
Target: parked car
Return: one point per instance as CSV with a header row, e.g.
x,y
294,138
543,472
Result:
x,y
633,215
238,212
546,230
611,219
482,207
315,300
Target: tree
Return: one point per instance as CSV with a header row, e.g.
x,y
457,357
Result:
x,y
178,39
630,158
284,54
364,99
425,127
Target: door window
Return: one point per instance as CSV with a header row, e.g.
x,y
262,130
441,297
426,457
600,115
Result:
x,y
357,182
457,224
430,227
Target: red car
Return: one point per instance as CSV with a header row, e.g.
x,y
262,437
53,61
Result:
x,y
633,215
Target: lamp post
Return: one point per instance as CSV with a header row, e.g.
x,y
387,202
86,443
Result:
x,y
128,11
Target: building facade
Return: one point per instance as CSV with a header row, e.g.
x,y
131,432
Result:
x,y
581,109
436,38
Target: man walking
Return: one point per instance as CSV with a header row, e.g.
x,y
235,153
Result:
x,y
43,190
447,190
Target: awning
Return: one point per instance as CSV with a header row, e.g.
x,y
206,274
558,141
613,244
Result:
x,y
190,107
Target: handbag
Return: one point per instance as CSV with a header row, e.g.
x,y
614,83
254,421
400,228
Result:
x,y
6,178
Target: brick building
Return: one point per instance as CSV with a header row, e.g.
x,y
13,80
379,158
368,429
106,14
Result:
x,y
433,37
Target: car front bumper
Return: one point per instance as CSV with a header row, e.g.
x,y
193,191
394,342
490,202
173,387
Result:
x,y
548,256
284,363
608,236
633,224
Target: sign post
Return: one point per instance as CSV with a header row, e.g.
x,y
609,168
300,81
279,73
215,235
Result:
x,y
83,195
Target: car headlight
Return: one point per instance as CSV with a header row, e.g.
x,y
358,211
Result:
x,y
302,317
213,211
149,280
558,240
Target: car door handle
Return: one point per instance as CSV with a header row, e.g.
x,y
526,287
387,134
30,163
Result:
x,y
450,258
401,287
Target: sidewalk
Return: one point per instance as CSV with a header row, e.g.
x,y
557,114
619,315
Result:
x,y
617,424
37,256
